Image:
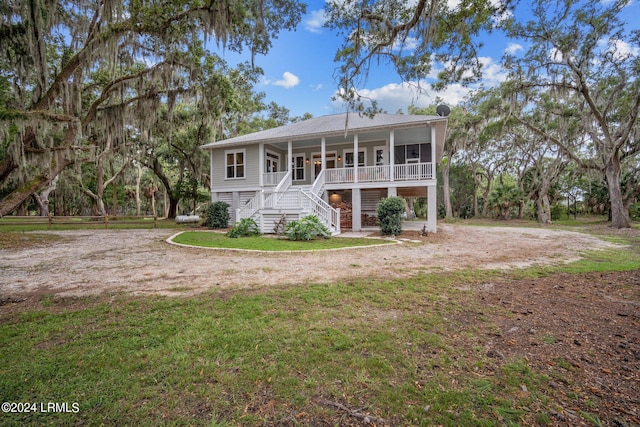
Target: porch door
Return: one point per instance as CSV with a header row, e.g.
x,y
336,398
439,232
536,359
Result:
x,y
317,162
273,161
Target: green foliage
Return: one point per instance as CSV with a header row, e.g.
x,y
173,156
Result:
x,y
307,228
503,197
634,211
558,212
390,212
420,207
244,227
217,215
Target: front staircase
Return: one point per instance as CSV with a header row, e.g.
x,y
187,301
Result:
x,y
296,202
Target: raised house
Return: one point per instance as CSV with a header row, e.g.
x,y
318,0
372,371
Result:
x,y
320,165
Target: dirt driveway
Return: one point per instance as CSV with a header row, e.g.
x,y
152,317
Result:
x,y
90,262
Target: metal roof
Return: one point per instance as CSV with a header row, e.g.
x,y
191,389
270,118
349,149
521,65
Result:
x,y
336,124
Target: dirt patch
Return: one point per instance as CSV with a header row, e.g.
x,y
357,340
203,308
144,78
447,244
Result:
x,y
93,262
581,330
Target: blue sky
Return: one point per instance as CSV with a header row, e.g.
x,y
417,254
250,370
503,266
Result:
x,y
299,70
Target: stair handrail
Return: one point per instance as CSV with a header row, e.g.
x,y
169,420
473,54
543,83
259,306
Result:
x,y
316,188
284,183
325,212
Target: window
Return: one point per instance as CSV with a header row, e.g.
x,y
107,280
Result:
x,y
298,167
235,164
349,161
412,153
379,156
272,160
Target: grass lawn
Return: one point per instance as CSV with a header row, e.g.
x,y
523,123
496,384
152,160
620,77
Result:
x,y
263,243
9,224
257,357
409,351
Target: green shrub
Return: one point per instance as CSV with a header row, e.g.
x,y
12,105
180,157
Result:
x,y
390,212
307,228
217,215
558,212
244,227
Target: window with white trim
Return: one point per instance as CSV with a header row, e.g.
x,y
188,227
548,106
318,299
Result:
x,y
235,163
412,153
349,160
297,167
379,155
272,160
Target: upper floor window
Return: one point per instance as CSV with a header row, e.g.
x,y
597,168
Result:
x,y
349,160
235,162
412,153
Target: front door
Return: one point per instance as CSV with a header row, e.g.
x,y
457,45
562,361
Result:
x,y
317,162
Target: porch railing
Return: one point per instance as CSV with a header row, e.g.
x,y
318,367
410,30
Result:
x,y
403,172
273,178
413,171
266,198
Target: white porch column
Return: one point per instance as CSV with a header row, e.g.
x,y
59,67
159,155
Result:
x,y
260,163
355,165
433,152
432,208
289,156
211,177
392,155
323,153
356,210
392,191
235,204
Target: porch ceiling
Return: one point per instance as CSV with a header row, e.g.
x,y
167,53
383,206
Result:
x,y
334,140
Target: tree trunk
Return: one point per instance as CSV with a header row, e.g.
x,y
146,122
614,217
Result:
x,y
13,201
487,190
7,165
543,204
619,214
42,199
138,182
476,211
173,206
544,209
173,197
446,190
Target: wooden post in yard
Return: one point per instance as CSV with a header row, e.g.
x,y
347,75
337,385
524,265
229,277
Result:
x,y
106,220
50,220
155,221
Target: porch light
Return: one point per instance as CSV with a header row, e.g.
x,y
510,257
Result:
x,y
339,158
307,161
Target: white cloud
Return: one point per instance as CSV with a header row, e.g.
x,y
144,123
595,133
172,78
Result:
x,y
288,80
315,21
513,48
620,49
492,73
317,87
393,97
